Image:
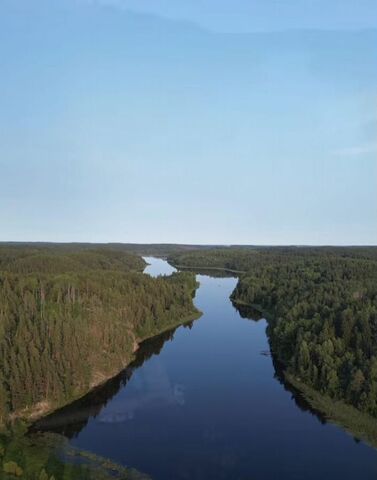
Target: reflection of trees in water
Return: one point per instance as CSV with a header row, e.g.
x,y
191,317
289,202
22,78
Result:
x,y
70,420
297,396
209,272
251,313
248,312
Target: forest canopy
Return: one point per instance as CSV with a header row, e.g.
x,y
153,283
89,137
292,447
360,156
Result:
x,y
322,306
71,319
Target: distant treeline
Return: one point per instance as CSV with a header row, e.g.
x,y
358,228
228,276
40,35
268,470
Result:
x,y
322,305
147,249
63,260
71,319
245,258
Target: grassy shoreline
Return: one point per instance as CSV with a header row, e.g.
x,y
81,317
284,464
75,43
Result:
x,y
49,456
358,424
361,425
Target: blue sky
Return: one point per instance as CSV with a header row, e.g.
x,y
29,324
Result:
x,y
188,121
258,15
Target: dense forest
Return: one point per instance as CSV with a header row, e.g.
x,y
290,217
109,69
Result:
x,y
152,249
322,306
71,419
57,261
71,319
60,304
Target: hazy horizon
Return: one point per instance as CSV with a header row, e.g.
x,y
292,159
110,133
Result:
x,y
225,245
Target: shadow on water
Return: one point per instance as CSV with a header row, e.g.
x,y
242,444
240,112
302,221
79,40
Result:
x,y
255,315
180,416
296,395
209,272
70,420
248,312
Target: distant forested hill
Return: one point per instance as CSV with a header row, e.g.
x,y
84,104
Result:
x,y
69,319
323,312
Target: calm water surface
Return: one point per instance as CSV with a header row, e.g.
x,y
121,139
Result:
x,y
204,402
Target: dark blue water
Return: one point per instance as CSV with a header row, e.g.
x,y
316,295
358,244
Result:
x,y
204,402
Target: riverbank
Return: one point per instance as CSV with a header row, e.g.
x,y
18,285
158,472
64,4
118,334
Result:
x,y
44,408
101,316
27,453
216,269
212,377
358,424
49,456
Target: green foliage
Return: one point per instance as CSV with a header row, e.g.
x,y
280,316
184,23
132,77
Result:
x,y
59,261
63,332
360,424
220,258
156,250
323,307
325,325
244,259
12,469
43,475
39,457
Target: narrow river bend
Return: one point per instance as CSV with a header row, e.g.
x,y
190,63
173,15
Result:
x,y
204,402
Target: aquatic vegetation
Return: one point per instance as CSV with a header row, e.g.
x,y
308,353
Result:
x,y
49,457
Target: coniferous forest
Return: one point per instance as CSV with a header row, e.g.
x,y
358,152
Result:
x,y
72,318
240,137
322,310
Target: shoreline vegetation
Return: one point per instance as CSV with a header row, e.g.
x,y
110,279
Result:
x,y
58,306
49,456
39,411
68,420
59,303
306,272
206,268
360,425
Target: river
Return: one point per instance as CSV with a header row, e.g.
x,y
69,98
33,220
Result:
x,y
206,402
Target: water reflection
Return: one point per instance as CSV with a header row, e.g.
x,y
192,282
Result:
x,y
210,272
155,391
233,417
296,395
253,314
248,312
70,420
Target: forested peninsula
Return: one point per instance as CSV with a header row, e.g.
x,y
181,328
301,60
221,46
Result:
x,y
321,304
71,316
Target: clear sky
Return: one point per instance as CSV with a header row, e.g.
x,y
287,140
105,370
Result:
x,y
259,15
189,121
